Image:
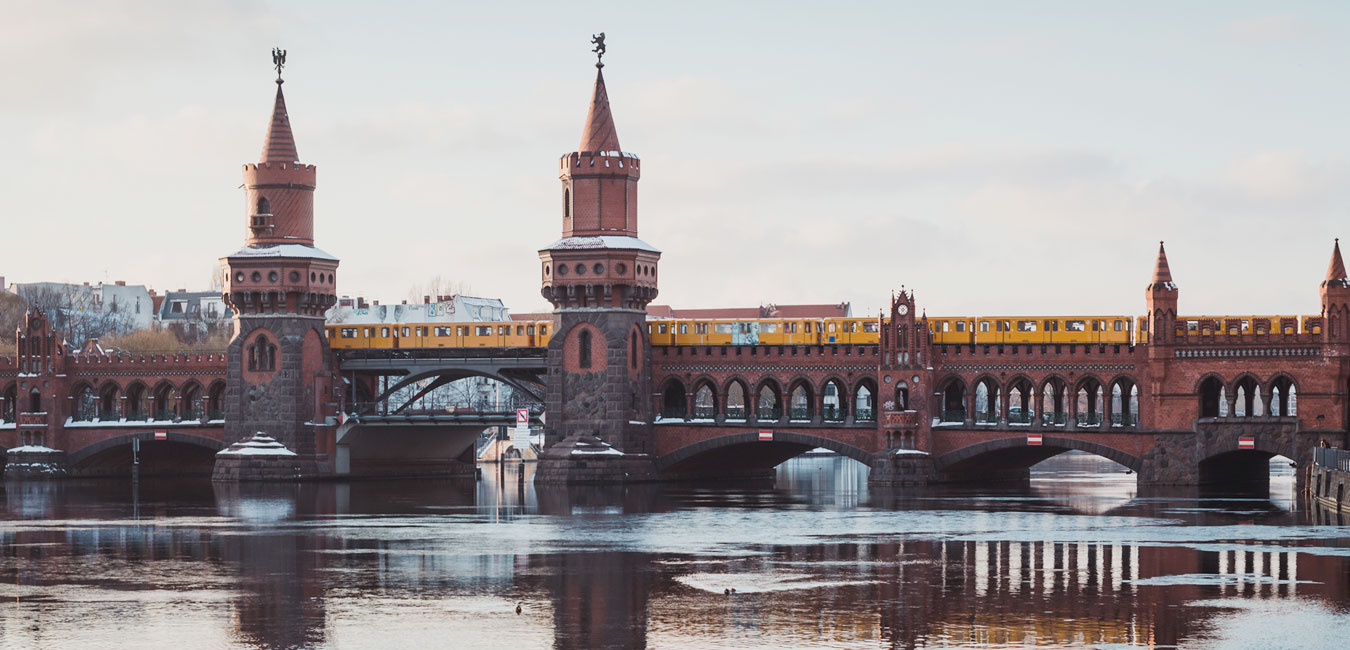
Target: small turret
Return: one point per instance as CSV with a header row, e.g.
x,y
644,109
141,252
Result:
x,y
1335,292
1161,300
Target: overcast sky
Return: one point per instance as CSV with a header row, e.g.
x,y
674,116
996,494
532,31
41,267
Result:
x,y
998,157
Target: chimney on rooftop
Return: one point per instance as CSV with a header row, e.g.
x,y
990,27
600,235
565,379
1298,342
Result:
x,y
121,283
426,300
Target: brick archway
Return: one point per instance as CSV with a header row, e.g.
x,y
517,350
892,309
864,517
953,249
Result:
x,y
805,440
78,458
1054,444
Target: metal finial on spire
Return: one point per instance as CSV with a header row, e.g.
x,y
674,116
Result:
x,y
279,60
598,40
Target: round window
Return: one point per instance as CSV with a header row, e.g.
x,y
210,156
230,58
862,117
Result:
x,y
548,270
562,269
598,268
239,277
257,277
620,268
295,276
581,269
311,276
272,276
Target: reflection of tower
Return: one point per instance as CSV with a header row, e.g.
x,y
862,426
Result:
x,y
599,278
279,285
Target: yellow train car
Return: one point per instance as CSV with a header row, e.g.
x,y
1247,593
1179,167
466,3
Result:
x,y
952,331
1244,324
851,331
503,334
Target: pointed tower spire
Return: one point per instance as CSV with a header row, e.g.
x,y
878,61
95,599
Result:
x,y
279,147
599,133
1162,274
1336,271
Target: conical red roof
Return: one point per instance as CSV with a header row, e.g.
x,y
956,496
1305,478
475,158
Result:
x,y
1336,271
280,143
1161,272
599,134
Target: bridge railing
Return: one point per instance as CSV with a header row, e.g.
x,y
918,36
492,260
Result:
x,y
864,415
1054,419
736,412
954,415
705,412
1089,419
1332,458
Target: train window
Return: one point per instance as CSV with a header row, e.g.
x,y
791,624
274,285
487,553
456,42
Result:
x,y
791,328
482,330
384,332
701,328
349,332
529,330
870,326
945,323
370,331
543,329
960,326
684,328
984,326
462,330
820,327
405,331
441,331
1026,326
1075,326
520,330
1119,326
831,328
661,328
769,327
503,329
725,328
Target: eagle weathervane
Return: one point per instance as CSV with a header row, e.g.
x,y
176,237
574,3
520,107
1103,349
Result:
x,y
279,60
598,40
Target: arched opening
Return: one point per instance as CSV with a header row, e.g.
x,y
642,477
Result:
x,y
83,407
35,402
9,403
1248,398
833,405
1124,403
735,401
1283,397
1054,403
673,404
1089,402
567,203
107,402
988,401
746,455
954,401
161,401
584,349
800,398
184,456
633,351
1012,459
262,355
769,403
1021,408
901,396
136,407
705,401
215,401
1243,471
190,406
864,405
264,206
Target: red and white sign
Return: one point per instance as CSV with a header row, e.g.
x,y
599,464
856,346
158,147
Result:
x,y
161,435
1034,439
522,416
1246,443
765,435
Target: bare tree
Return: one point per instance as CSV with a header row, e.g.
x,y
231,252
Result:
x,y
438,286
77,311
12,310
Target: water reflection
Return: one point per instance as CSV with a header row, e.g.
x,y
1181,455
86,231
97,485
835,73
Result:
x,y
1079,557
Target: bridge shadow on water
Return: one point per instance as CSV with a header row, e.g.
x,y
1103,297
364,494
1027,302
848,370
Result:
x,y
817,557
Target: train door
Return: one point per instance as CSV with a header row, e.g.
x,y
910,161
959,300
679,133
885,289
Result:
x,y
746,333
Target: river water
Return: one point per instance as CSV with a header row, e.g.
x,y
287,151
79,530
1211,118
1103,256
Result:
x,y
1079,558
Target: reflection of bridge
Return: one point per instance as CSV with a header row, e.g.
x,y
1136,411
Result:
x,y
1183,401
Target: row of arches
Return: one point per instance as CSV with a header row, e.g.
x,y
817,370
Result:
x,y
832,401
1247,397
1086,402
137,402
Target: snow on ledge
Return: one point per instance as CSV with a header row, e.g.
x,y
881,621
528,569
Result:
x,y
909,452
597,452
260,444
35,449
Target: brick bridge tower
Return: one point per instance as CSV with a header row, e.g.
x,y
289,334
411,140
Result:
x,y
599,277
279,378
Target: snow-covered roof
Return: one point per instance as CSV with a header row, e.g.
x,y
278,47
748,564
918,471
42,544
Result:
x,y
284,250
622,242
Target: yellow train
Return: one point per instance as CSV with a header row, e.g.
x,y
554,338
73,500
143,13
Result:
x,y
982,330
987,330
504,334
